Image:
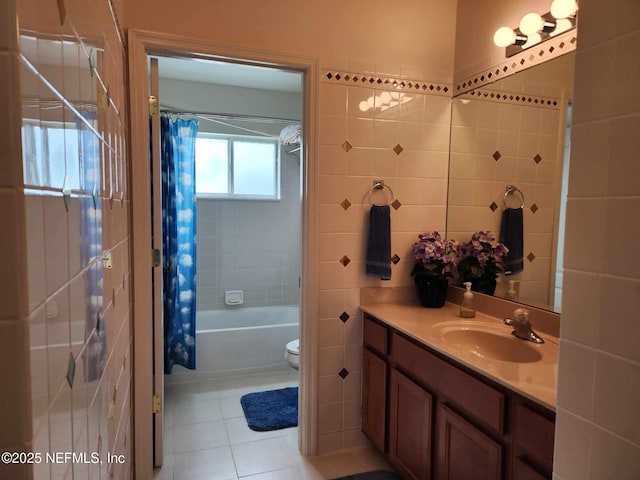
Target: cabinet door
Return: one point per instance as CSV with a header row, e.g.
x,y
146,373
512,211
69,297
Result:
x,y
464,452
410,413
534,437
374,393
522,471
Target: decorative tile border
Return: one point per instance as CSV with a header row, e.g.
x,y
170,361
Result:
x,y
383,81
512,98
554,47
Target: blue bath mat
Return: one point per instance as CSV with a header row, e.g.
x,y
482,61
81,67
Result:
x,y
271,410
377,475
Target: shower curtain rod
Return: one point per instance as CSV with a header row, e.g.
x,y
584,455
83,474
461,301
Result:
x,y
228,116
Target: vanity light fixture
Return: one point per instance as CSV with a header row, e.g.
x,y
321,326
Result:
x,y
535,28
505,36
533,23
564,8
384,101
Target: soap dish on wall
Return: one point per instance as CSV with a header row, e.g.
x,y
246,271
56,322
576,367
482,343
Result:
x,y
233,297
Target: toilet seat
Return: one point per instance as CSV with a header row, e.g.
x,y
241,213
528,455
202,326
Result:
x,y
292,353
294,347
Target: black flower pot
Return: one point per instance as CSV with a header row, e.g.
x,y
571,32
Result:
x,y
485,284
432,290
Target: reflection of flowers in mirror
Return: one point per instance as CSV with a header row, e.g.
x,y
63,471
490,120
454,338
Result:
x,y
384,101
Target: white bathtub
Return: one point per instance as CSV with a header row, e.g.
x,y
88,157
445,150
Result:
x,y
239,340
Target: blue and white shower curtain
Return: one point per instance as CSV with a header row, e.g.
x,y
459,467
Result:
x,y
91,246
178,147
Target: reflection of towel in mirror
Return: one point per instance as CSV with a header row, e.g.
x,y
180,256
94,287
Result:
x,y
379,242
511,234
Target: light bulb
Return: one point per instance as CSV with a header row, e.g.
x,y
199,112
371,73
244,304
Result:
x,y
504,37
531,23
532,40
564,8
562,25
363,106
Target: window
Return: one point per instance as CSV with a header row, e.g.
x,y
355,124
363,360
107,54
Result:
x,y
237,167
51,156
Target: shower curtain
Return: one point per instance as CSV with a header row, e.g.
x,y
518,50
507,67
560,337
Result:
x,y
178,140
91,244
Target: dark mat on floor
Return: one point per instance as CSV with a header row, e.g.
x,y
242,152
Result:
x,y
377,475
271,410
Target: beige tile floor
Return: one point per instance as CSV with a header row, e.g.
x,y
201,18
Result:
x,y
206,437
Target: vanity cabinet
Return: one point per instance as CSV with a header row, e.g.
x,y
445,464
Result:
x,y
464,451
534,435
374,395
436,419
374,383
410,425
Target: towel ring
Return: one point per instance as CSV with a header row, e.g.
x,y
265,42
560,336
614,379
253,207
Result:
x,y
512,190
379,185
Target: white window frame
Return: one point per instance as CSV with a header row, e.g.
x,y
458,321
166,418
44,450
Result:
x,y
45,165
230,167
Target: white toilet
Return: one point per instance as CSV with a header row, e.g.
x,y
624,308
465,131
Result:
x,y
293,353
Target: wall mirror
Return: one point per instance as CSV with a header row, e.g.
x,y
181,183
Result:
x,y
516,133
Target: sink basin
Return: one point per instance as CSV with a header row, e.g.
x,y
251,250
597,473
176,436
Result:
x,y
490,341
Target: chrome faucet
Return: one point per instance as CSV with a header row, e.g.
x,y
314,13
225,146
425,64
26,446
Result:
x,y
522,326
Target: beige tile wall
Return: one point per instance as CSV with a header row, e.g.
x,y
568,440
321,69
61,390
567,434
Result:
x,y
66,67
598,426
15,415
418,178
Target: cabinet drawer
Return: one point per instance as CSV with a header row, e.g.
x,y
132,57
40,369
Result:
x,y
375,336
534,435
474,396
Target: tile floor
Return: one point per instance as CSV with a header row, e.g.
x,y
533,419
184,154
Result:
x,y
206,437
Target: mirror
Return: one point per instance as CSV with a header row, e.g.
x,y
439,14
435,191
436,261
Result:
x,y
515,133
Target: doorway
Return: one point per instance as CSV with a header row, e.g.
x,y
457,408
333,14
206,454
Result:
x,y
246,185
142,45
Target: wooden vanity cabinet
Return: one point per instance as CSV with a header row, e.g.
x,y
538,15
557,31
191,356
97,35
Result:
x,y
534,438
410,426
464,451
437,420
374,398
374,383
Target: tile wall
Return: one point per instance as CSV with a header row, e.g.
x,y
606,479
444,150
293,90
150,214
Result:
x,y
495,144
598,426
367,134
72,205
15,415
253,246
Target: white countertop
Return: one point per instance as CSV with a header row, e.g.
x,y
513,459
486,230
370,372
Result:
x,y
534,379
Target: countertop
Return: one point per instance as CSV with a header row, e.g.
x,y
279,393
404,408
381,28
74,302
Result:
x,y
535,380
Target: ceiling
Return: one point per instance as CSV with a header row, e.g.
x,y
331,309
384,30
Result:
x,y
224,73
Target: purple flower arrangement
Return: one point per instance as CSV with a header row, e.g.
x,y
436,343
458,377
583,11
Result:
x,y
434,255
484,247
480,260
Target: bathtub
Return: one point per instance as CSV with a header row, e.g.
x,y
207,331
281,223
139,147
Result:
x,y
238,340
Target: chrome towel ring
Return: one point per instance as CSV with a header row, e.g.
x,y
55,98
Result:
x,y
512,191
380,185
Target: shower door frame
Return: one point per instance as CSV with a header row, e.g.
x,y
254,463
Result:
x,y
141,44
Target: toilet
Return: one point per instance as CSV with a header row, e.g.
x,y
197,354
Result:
x,y
293,353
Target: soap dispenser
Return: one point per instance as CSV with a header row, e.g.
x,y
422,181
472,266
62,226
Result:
x,y
466,307
511,291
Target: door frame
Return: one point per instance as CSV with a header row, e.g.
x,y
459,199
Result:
x,y
141,44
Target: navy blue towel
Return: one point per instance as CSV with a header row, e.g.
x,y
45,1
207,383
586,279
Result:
x,y
511,234
379,242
